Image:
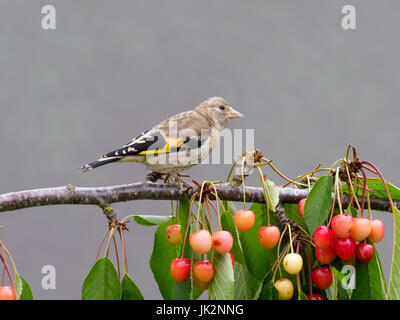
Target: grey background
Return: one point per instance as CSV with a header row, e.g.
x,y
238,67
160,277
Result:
x,y
114,68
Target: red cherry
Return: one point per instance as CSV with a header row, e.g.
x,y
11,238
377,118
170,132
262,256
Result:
x,y
322,277
377,230
342,224
244,219
201,241
365,252
204,270
269,236
180,269
323,237
7,293
222,241
345,247
173,233
325,256
301,204
233,259
315,296
361,229
201,285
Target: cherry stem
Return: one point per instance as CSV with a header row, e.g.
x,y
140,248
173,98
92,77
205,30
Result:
x,y
210,215
124,258
379,173
262,182
116,255
109,242
3,259
188,223
351,188
101,243
364,192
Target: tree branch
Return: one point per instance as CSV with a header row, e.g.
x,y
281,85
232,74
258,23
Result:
x,y
104,196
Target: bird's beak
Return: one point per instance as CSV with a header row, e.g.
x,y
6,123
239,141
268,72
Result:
x,y
233,114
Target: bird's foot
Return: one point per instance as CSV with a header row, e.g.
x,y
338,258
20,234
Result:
x,y
153,176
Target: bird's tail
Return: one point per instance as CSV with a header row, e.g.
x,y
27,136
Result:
x,y
99,162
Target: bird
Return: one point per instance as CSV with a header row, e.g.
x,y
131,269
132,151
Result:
x,y
177,143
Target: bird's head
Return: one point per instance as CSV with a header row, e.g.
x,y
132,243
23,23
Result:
x,y
219,111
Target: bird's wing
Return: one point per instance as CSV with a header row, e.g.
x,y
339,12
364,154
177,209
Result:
x,y
183,131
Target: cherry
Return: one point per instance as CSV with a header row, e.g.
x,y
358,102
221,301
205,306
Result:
x,y
345,247
322,277
244,219
233,259
342,224
365,252
323,237
222,241
293,262
361,229
173,233
315,296
204,270
7,293
201,241
377,230
301,204
180,269
269,236
285,288
201,285
325,256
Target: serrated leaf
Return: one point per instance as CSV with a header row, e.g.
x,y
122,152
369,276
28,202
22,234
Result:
x,y
229,225
151,220
243,280
24,291
318,203
130,291
102,282
222,286
394,282
258,259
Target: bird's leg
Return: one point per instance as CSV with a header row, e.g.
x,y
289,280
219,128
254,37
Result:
x,y
153,176
183,175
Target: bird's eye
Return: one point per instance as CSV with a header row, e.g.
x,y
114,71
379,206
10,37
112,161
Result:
x,y
222,107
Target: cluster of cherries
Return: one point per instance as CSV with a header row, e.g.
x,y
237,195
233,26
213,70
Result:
x,y
201,242
342,240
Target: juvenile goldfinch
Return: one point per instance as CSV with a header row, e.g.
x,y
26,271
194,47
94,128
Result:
x,y
178,143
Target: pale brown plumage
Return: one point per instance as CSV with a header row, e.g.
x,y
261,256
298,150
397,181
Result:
x,y
177,143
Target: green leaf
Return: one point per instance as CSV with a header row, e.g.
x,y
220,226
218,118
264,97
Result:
x,y
151,220
182,289
129,289
102,282
229,225
377,277
272,194
269,292
24,291
394,282
318,203
292,211
160,261
341,293
222,286
243,280
362,290
379,190
258,259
